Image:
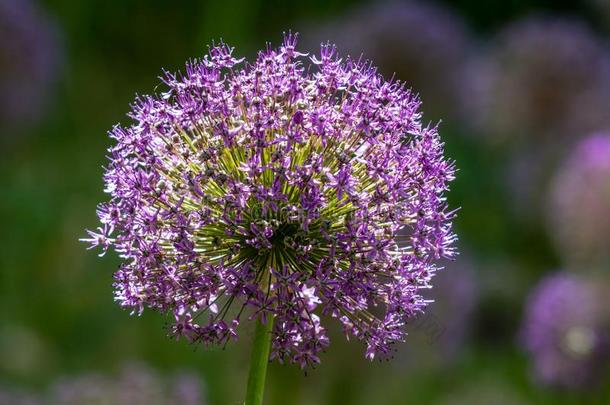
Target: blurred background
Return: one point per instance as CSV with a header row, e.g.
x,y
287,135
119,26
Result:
x,y
522,90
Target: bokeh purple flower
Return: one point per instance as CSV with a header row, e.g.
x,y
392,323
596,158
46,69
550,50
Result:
x,y
12,396
543,83
272,190
136,384
421,42
30,54
565,331
579,205
543,78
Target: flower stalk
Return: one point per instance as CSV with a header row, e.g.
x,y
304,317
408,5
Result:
x,y
258,362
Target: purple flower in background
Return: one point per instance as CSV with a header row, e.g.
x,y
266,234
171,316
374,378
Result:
x,y
544,82
275,191
579,204
11,396
422,43
564,331
82,389
135,385
544,78
29,59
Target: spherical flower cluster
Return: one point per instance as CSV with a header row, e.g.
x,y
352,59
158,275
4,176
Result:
x,y
277,190
424,44
543,78
565,333
29,59
579,204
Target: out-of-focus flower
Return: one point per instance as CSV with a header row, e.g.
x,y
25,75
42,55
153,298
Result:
x,y
83,389
565,331
543,78
281,190
187,389
579,205
136,385
11,396
526,174
421,42
543,83
29,59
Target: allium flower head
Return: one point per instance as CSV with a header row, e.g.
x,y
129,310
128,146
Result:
x,y
565,333
579,204
275,190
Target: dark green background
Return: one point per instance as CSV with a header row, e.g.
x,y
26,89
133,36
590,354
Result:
x,y
51,181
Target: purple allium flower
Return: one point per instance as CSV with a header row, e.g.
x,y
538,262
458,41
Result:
x,y
564,331
422,43
544,78
275,190
579,204
29,59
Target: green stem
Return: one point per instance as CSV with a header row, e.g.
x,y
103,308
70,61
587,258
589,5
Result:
x,y
258,362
